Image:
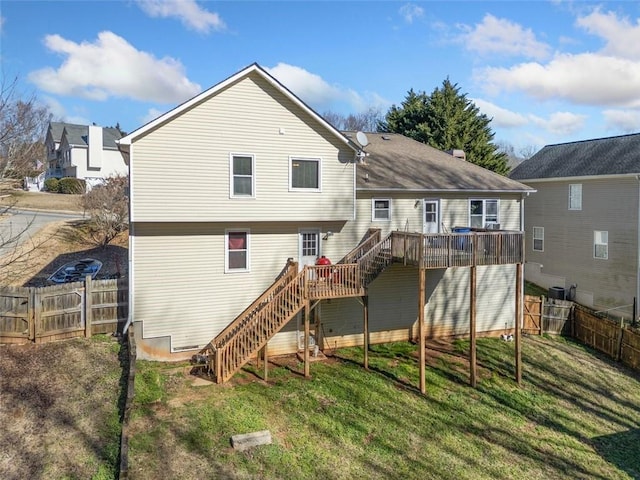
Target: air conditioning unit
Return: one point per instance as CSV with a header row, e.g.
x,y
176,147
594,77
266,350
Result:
x,y
492,226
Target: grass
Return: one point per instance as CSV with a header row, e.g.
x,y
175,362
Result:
x,y
575,417
40,200
535,290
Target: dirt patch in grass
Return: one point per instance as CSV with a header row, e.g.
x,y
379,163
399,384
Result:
x,y
60,409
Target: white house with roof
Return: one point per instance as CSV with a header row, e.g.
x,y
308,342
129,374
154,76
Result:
x,y
87,152
583,225
225,264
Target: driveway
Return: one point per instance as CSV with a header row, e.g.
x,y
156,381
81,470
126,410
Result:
x,y
29,222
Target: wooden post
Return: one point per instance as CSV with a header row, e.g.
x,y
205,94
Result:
x,y
472,328
519,293
266,362
365,309
88,306
620,336
421,294
31,316
37,314
307,312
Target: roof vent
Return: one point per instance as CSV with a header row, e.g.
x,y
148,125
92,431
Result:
x,y
458,154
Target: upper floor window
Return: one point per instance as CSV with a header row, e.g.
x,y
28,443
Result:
x,y
236,246
601,244
575,196
242,182
538,239
304,173
381,209
483,213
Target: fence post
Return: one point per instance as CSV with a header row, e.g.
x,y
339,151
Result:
x,y
37,313
541,314
31,314
619,346
88,306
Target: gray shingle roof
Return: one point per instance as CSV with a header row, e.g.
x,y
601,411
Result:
x,y
602,156
396,162
78,134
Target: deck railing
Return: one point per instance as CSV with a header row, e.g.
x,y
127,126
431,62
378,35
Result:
x,y
332,281
372,238
445,250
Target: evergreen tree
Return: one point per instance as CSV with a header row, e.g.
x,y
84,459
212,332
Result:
x,y
447,120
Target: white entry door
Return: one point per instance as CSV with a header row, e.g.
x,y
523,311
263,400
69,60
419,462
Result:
x,y
309,246
431,219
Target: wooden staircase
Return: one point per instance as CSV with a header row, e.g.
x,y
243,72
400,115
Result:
x,y
232,348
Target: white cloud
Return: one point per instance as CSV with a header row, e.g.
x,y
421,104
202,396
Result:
x,y
188,11
151,115
60,113
608,77
622,120
585,79
621,37
113,67
318,93
501,117
410,12
501,36
560,123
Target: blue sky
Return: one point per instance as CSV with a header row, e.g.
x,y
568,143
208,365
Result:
x,y
546,72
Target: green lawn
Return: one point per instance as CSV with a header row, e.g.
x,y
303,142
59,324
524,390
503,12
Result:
x,y
576,416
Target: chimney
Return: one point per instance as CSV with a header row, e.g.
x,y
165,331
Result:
x,y
458,154
95,148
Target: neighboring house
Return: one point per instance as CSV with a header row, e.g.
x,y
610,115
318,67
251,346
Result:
x,y
88,152
228,186
582,226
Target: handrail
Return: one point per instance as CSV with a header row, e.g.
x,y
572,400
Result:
x,y
289,271
372,238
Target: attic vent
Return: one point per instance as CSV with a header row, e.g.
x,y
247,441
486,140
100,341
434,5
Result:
x,y
458,154
386,137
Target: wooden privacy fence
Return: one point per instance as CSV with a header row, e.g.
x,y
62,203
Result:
x,y
562,317
79,309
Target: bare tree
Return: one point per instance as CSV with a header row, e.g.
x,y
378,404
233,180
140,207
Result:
x,y
23,123
366,121
108,207
16,246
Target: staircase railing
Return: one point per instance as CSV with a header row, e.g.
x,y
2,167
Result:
x,y
253,328
373,236
375,260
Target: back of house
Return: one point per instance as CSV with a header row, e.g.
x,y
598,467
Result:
x,y
231,187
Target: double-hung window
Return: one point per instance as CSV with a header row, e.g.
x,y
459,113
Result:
x,y
237,249
483,213
305,174
242,170
601,244
575,196
538,239
381,209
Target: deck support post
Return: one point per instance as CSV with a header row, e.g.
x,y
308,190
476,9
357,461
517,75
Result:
x,y
365,310
472,329
307,313
518,332
421,303
266,362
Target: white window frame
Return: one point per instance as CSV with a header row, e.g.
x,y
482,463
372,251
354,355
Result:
x,y
247,268
599,242
374,210
484,211
539,237
305,159
575,197
232,176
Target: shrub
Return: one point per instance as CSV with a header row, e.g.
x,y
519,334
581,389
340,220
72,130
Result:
x,y
52,185
70,185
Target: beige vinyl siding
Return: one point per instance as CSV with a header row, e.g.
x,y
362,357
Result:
x,y
184,164
181,289
393,306
607,205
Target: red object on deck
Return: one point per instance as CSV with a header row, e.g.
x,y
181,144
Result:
x,y
323,262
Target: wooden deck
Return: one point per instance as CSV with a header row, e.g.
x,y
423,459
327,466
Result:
x,y
294,290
